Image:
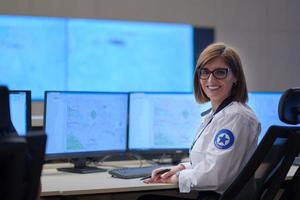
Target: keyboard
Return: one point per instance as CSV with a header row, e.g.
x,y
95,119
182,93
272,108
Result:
x,y
133,172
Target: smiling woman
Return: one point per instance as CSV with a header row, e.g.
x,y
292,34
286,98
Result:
x,y
219,56
217,87
228,134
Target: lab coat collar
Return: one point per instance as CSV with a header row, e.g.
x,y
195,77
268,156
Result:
x,y
225,103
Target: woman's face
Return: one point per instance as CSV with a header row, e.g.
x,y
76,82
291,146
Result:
x,y
217,86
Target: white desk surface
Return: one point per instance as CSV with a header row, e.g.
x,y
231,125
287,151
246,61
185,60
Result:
x,y
55,183
62,183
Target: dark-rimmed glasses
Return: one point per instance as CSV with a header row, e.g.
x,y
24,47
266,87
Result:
x,y
218,73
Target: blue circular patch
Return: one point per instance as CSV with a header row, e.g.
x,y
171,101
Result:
x,y
224,139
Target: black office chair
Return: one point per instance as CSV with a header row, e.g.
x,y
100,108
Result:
x,y
20,173
6,126
274,156
12,158
33,156
36,144
12,153
292,189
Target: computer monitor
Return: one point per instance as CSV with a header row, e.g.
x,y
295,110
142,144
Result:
x,y
20,110
163,122
85,124
265,106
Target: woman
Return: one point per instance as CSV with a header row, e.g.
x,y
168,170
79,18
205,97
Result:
x,y
228,133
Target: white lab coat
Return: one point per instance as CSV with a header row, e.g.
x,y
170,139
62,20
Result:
x,y
215,161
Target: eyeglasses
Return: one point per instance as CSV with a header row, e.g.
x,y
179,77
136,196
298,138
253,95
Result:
x,y
219,73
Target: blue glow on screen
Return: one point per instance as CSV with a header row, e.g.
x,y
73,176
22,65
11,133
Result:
x,y
32,53
43,53
77,122
18,110
163,120
265,106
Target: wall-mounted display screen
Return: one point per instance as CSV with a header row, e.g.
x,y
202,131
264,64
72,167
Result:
x,y
47,53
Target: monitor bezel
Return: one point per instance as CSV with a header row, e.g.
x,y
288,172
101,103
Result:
x,y
28,106
86,154
149,151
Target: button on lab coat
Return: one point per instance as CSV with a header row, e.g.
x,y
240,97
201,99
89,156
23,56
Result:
x,y
212,167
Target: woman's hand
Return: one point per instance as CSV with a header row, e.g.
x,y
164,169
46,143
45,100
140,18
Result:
x,y
167,177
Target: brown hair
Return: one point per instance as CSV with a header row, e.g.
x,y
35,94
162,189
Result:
x,y
232,59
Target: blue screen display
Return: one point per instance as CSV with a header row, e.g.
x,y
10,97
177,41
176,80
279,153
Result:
x,y
265,106
43,53
77,122
32,53
170,121
163,120
18,111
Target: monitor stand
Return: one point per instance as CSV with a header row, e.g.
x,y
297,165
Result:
x,y
80,167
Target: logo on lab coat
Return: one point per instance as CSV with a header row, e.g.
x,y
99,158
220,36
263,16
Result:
x,y
224,139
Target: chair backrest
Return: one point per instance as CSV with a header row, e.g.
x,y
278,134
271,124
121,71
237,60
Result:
x,y
12,158
4,111
6,126
291,98
274,155
271,173
291,191
36,143
21,161
33,153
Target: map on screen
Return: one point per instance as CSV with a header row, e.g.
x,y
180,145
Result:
x,y
85,122
163,120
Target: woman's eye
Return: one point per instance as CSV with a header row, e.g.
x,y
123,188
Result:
x,y
204,72
220,72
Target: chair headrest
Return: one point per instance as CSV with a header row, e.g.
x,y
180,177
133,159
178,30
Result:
x,y
289,106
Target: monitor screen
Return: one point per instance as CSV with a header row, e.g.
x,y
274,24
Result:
x,y
265,106
20,110
85,124
89,52
163,121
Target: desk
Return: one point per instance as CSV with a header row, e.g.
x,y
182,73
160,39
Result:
x,y
60,183
55,183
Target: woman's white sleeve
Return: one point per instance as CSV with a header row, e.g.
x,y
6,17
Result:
x,y
233,142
